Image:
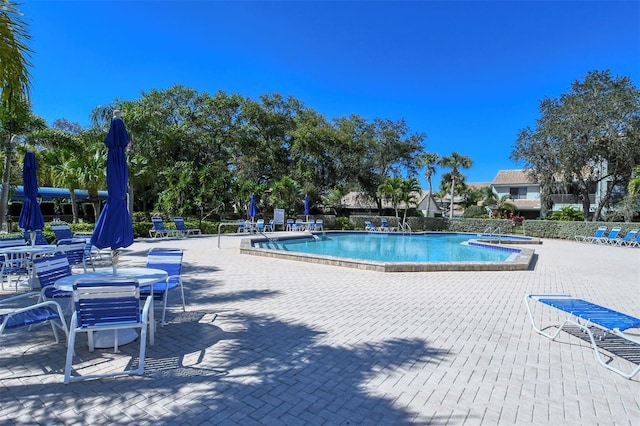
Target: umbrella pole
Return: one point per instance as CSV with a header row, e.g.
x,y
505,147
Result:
x,y
115,257
32,235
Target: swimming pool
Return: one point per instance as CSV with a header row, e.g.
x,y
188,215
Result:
x,y
394,252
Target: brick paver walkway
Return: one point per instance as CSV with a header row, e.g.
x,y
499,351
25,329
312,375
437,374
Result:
x,y
277,342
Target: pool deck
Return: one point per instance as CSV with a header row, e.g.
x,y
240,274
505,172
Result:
x,y
281,342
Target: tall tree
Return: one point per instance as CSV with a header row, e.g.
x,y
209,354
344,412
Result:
x,y
14,85
588,137
455,162
14,54
429,160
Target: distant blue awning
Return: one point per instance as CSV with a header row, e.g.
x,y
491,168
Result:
x,y
48,193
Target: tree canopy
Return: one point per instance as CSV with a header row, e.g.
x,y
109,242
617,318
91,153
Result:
x,y
589,136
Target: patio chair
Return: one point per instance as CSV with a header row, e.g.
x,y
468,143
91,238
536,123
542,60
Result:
x,y
368,226
386,227
107,305
298,225
182,227
318,225
40,240
592,238
587,316
48,270
62,231
169,260
311,225
74,248
14,267
627,239
242,226
260,226
14,316
290,225
633,241
268,227
609,238
159,231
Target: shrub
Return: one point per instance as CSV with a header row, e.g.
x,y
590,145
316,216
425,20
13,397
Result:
x,y
344,223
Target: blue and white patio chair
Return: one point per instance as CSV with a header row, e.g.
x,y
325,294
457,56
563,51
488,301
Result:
x,y
107,305
169,260
592,238
586,315
74,248
386,227
62,231
268,227
290,225
182,227
159,231
626,240
318,225
40,240
609,238
298,225
14,267
260,226
369,226
48,270
13,315
242,226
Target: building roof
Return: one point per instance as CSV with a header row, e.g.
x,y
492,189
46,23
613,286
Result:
x,y
526,204
513,177
359,200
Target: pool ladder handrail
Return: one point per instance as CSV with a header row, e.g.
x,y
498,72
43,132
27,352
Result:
x,y
493,231
404,226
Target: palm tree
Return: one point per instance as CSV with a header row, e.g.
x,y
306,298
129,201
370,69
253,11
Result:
x,y
410,188
14,81
391,190
455,162
430,160
14,54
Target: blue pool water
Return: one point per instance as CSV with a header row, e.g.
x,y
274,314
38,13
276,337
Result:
x,y
390,247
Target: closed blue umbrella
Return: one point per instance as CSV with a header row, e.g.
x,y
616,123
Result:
x,y
114,228
30,216
306,206
253,210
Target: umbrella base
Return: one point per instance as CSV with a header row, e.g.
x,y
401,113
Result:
x,y
105,339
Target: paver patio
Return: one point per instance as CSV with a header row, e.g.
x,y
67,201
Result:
x,y
271,341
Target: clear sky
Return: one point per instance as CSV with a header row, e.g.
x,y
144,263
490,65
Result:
x,y
469,74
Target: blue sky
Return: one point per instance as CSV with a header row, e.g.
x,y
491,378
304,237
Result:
x,y
468,74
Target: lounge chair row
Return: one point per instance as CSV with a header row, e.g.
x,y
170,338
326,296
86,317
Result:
x,y
261,226
612,238
384,226
159,231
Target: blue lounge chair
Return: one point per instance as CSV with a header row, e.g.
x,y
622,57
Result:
x,y
609,238
26,316
386,227
159,231
182,227
583,314
592,238
368,226
626,240
318,225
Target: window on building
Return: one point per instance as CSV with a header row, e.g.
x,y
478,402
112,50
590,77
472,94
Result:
x,y
518,193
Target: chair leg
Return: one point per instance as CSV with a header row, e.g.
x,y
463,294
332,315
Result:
x,y
70,351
